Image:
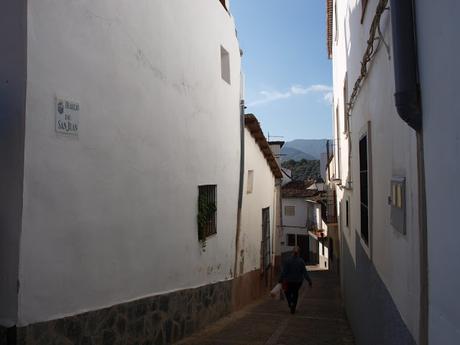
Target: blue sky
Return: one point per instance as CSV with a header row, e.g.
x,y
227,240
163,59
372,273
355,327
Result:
x,y
288,74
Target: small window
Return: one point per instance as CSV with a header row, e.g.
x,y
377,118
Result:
x,y
289,211
250,181
291,240
363,9
207,209
225,64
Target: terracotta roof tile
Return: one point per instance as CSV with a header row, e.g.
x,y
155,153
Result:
x,y
253,126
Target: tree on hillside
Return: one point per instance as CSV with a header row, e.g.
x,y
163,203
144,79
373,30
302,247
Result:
x,y
303,169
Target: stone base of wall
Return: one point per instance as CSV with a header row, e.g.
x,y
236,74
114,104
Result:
x,y
162,319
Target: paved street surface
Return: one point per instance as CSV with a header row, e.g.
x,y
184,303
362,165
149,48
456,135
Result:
x,y
319,320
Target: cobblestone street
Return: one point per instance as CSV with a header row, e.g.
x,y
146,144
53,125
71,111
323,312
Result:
x,y
319,320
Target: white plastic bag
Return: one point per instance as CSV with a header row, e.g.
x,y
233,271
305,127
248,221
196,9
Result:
x,y
276,291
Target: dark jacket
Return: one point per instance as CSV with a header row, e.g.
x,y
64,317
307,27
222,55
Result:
x,y
294,271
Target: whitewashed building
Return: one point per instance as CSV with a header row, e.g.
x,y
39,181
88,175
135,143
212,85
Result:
x,y
257,234
302,223
120,126
393,122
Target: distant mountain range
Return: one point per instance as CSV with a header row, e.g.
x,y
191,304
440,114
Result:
x,y
309,149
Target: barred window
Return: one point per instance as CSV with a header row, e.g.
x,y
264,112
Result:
x,y
207,209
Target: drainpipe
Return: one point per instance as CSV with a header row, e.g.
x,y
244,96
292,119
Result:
x,y
408,105
240,192
407,95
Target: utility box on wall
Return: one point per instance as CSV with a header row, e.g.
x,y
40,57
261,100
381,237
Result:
x,y
398,204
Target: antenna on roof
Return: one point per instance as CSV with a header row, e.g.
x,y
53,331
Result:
x,y
270,137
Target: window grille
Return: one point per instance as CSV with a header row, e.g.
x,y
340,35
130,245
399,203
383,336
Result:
x,y
207,209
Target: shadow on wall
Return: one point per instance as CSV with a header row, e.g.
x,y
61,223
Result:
x,y
372,313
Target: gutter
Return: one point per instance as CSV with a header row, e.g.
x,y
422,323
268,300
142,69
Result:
x,y
407,94
240,190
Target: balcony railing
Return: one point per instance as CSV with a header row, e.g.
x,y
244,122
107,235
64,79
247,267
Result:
x,y
329,212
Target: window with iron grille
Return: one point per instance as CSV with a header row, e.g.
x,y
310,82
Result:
x,y
364,188
265,245
207,209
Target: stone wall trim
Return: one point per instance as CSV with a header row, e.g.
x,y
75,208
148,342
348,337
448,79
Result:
x,y
162,319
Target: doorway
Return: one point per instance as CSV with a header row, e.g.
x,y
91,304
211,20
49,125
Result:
x,y
303,243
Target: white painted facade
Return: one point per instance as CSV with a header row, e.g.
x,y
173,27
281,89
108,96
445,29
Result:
x,y
263,194
301,211
109,215
438,47
391,153
307,216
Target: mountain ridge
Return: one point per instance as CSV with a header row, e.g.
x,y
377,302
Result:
x,y
308,149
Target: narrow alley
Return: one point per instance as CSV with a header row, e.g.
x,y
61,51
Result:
x,y
320,320
164,163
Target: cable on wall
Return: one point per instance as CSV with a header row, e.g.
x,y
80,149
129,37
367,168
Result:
x,y
373,45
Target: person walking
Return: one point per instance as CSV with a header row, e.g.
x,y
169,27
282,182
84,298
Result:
x,y
292,276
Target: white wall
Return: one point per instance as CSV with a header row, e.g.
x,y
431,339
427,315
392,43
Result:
x,y
437,34
110,216
301,212
263,195
393,153
294,224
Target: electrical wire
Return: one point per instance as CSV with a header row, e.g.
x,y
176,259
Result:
x,y
373,45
